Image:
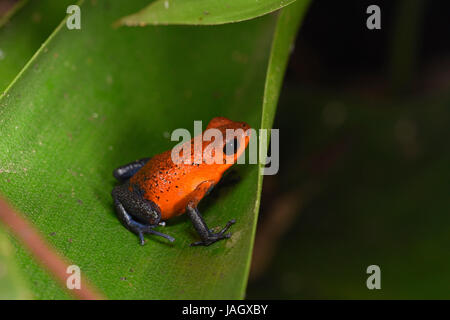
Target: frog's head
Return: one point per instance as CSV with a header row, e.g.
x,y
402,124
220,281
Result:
x,y
235,138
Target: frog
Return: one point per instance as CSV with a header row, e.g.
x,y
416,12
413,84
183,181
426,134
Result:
x,y
154,189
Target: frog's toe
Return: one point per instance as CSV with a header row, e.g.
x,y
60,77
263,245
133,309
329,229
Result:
x,y
150,230
227,226
212,238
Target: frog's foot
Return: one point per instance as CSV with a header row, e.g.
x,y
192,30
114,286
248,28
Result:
x,y
207,236
213,237
137,227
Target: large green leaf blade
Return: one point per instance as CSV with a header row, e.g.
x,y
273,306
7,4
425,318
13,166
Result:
x,y
201,12
98,98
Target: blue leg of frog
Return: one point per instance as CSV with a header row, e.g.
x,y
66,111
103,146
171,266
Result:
x,y
136,214
126,171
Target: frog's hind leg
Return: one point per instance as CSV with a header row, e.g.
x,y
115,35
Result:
x,y
207,236
126,171
132,210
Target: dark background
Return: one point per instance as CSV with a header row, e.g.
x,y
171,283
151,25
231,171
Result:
x,y
364,158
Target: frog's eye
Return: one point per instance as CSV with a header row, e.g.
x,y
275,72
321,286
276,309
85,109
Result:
x,y
231,147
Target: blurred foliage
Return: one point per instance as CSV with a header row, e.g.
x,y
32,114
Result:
x,y
12,284
8,8
382,170
93,99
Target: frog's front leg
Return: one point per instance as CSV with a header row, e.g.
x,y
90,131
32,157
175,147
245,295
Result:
x,y
126,171
132,210
206,235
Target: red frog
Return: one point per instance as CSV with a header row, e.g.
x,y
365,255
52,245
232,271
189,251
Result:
x,y
156,189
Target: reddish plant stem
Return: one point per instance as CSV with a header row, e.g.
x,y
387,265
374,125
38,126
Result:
x,y
43,252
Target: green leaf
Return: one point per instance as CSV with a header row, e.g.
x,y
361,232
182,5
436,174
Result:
x,y
375,174
22,35
201,12
96,98
12,283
